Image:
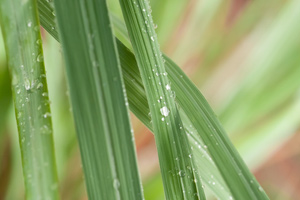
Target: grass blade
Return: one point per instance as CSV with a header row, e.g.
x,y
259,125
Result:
x,y
5,96
174,150
5,102
139,106
98,100
184,88
236,174
20,27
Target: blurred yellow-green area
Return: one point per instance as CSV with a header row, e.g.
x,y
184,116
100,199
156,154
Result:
x,y
243,55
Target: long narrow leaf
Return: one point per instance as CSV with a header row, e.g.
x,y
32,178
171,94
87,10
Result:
x,y
98,100
5,96
180,177
139,106
21,32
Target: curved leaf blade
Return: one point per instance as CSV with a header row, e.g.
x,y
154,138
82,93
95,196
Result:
x,y
179,174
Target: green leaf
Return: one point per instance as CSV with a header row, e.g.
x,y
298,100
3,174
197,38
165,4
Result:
x,y
139,106
179,174
21,33
236,174
187,95
98,100
5,96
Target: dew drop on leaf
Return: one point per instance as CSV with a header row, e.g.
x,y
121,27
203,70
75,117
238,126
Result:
x,y
40,85
47,115
181,173
164,111
168,87
38,42
27,84
40,58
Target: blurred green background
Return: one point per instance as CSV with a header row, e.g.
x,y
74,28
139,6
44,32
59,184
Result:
x,y
243,55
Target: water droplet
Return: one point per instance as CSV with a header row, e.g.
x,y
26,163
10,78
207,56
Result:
x,y
152,38
39,42
164,111
22,66
190,156
163,119
260,189
27,84
45,94
40,58
155,26
168,87
47,115
29,24
18,91
181,173
40,85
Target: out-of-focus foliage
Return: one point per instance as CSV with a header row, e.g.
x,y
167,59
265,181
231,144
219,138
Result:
x,y
242,54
